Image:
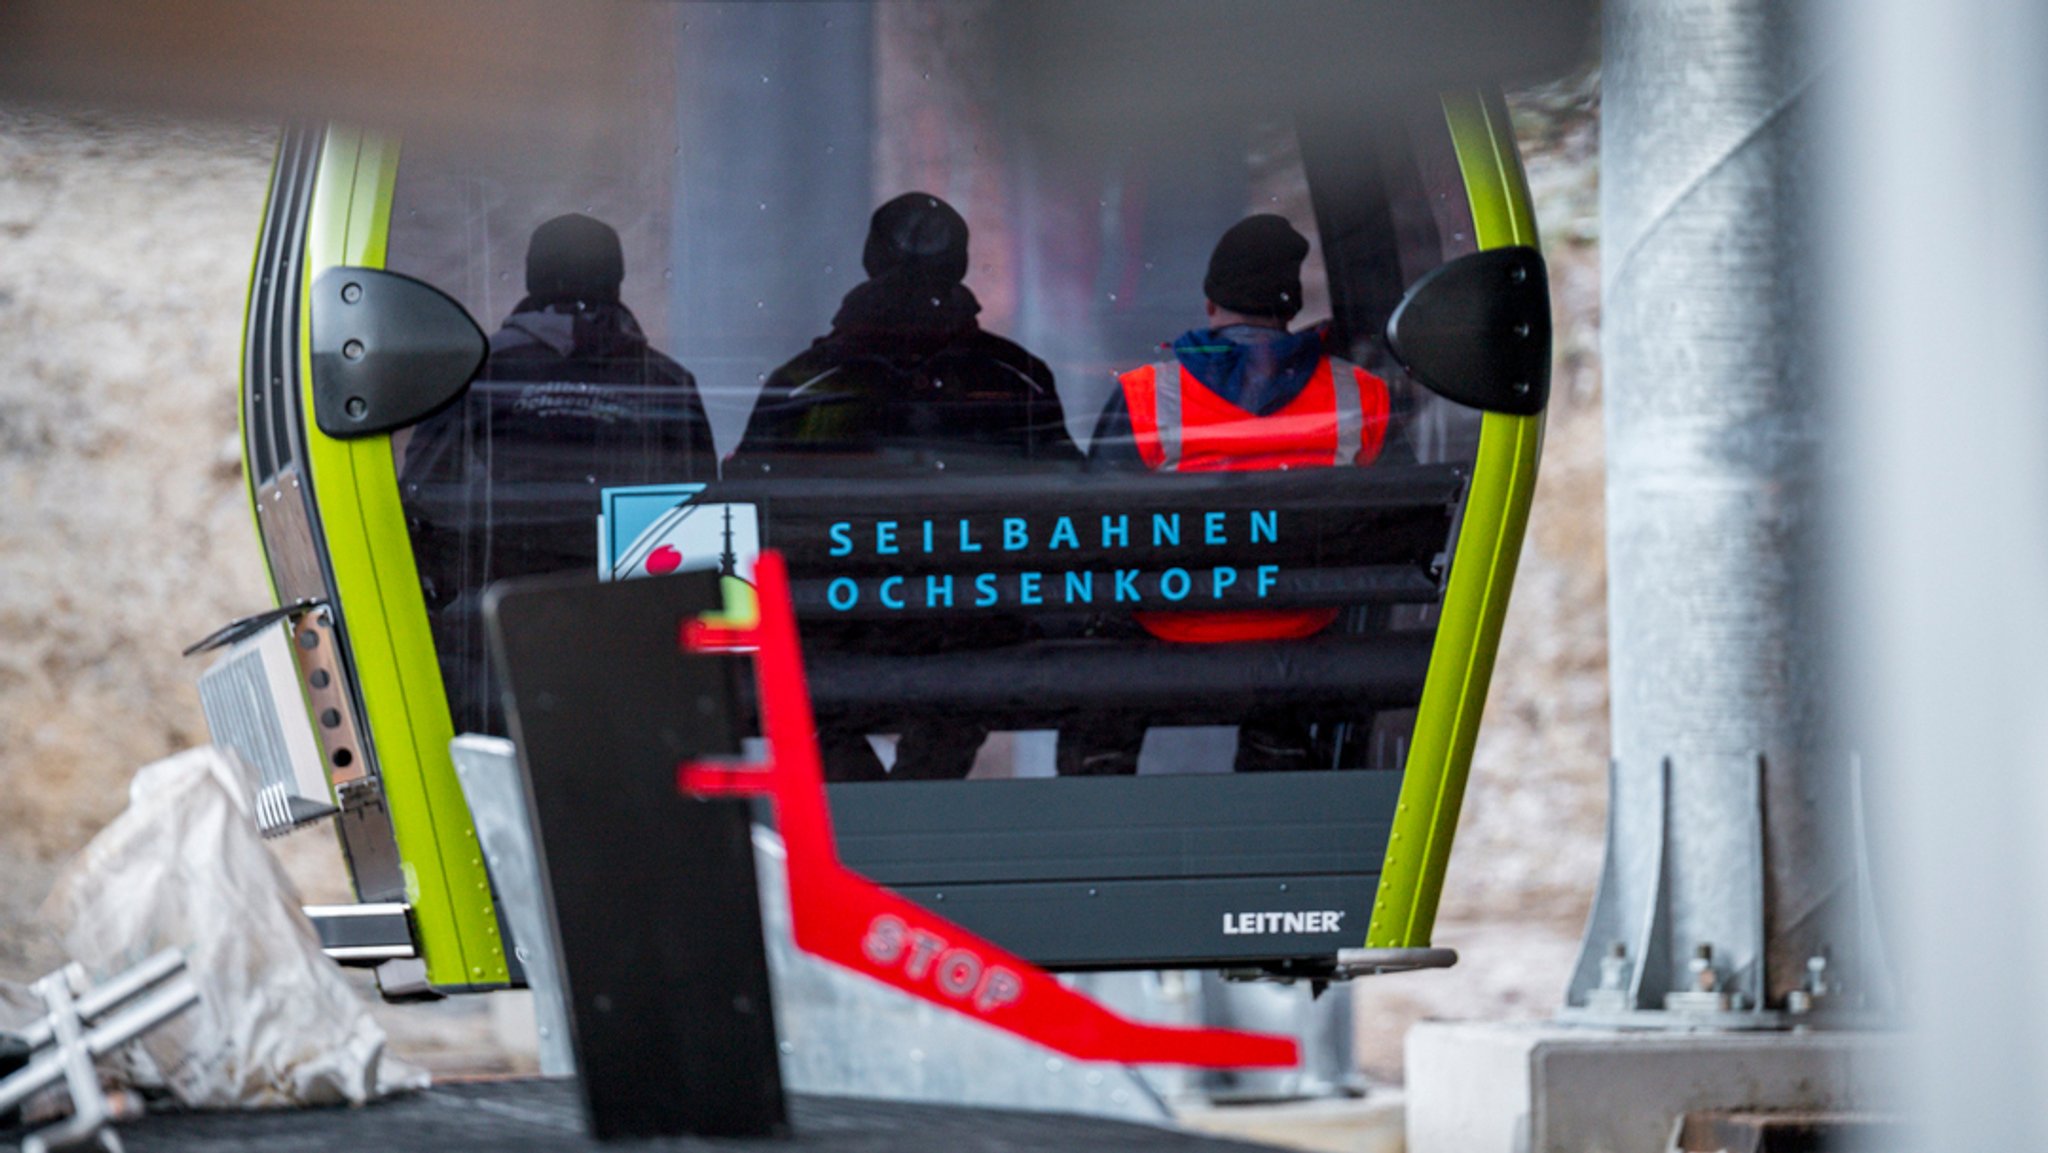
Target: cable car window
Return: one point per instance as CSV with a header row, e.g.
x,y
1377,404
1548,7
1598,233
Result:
x,y
1084,448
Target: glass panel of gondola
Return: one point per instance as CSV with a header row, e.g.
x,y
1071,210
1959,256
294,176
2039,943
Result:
x,y
1085,446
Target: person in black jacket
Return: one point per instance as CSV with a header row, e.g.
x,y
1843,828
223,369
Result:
x,y
507,481
908,383
907,373
601,398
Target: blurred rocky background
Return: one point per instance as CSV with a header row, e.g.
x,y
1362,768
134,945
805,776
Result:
x,y
125,534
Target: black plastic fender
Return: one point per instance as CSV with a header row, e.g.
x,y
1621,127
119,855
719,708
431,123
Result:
x,y
388,351
1477,331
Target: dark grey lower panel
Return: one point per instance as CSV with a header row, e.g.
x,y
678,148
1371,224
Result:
x,y
1163,923
1132,872
909,833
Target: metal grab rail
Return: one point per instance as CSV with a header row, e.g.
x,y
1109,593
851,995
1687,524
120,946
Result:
x,y
85,1023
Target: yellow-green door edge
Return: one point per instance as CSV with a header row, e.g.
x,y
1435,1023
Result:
x,y
1482,570
383,609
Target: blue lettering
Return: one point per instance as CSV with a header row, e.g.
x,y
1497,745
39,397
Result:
x,y
1082,583
933,590
1269,575
1027,589
1165,530
928,536
985,590
1116,535
842,538
1166,584
1015,535
885,538
1222,579
888,601
967,545
1265,525
1063,530
1212,529
1126,584
842,593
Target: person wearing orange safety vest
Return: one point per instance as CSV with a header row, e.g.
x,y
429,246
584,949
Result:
x,y
1241,395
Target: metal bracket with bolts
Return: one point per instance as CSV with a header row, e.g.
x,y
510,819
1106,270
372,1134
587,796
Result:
x,y
85,1023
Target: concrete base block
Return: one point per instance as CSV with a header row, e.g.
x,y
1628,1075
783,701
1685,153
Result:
x,y
1543,1088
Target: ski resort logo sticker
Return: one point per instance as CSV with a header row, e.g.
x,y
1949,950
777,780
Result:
x,y
656,529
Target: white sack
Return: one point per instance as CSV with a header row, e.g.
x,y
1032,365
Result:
x,y
277,1024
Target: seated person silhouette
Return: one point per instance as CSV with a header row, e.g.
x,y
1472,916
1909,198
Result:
x,y
907,378
571,400
907,369
1240,394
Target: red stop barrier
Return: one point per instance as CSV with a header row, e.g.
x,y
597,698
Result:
x,y
853,922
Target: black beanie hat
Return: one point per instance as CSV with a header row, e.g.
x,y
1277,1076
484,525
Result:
x,y
573,257
920,232
1256,268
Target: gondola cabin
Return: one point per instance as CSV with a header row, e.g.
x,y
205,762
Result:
x,y
1144,628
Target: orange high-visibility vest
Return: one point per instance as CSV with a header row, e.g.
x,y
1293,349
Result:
x,y
1339,418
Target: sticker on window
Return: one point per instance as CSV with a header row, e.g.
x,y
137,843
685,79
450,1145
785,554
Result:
x,y
653,530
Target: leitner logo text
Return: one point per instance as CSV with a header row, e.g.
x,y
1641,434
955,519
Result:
x,y
1321,921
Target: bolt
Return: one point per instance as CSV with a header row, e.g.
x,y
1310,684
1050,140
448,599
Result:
x,y
357,407
1614,967
350,293
1817,975
1702,968
353,350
